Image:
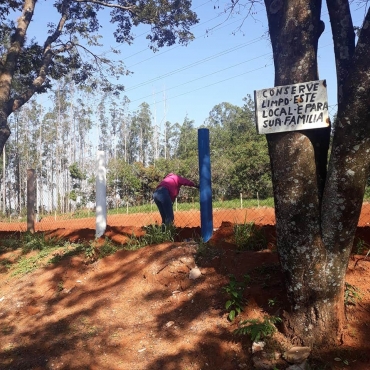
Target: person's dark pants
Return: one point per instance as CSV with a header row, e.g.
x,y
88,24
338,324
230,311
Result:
x,y
162,199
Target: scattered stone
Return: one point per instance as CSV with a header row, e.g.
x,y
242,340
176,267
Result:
x,y
194,273
169,324
302,366
296,355
258,346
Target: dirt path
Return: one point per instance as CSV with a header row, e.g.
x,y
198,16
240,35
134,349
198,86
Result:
x,y
138,310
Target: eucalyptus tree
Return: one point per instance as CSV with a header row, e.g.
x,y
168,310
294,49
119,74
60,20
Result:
x,y
71,41
170,139
141,134
187,144
240,162
318,204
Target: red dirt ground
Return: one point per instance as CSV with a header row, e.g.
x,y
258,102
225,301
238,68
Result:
x,y
138,310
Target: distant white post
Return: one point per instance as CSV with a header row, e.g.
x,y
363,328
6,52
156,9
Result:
x,y
101,195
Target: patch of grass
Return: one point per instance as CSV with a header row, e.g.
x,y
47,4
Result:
x,y
25,264
70,249
5,264
351,295
234,290
10,243
154,234
256,329
107,249
32,242
248,236
90,252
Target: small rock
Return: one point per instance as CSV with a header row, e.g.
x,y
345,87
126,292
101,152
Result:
x,y
296,355
302,366
194,273
169,324
258,346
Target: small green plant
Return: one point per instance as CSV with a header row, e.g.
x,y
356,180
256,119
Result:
x,y
351,295
26,264
248,237
234,290
90,251
154,234
33,242
203,248
60,286
5,264
272,302
70,249
257,329
361,246
107,249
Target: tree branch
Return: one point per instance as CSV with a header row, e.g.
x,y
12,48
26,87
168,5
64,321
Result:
x,y
344,39
103,3
16,44
48,55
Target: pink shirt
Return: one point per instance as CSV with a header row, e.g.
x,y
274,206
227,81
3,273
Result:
x,y
173,183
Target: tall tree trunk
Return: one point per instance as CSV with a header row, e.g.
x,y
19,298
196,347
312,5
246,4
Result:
x,y
317,210
298,162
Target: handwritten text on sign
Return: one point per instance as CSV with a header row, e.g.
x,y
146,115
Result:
x,y
293,107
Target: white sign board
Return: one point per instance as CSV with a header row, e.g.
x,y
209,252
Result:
x,y
295,107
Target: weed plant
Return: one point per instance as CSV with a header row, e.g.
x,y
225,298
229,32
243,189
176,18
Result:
x,y
33,242
256,329
248,237
234,290
107,249
351,295
154,234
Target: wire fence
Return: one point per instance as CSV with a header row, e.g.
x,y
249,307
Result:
x,y
50,210
186,211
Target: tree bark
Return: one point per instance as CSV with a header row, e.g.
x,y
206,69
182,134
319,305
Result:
x,y
299,167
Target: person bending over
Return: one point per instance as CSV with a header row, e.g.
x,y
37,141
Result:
x,y
165,194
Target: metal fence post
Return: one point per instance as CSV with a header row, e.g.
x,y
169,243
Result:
x,y
31,200
206,215
101,195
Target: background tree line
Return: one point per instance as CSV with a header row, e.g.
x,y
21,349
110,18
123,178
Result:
x,y
58,138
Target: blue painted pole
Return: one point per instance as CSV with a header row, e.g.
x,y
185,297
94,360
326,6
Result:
x,y
206,216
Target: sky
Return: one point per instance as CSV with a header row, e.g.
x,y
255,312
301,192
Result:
x,y
229,59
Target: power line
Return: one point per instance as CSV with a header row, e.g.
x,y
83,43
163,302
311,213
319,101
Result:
x,y
147,33
217,82
210,74
196,63
176,46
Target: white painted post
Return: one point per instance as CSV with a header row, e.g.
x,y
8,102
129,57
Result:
x,y
241,200
101,193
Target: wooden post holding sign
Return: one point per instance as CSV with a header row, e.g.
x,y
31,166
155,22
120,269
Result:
x,y
301,106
